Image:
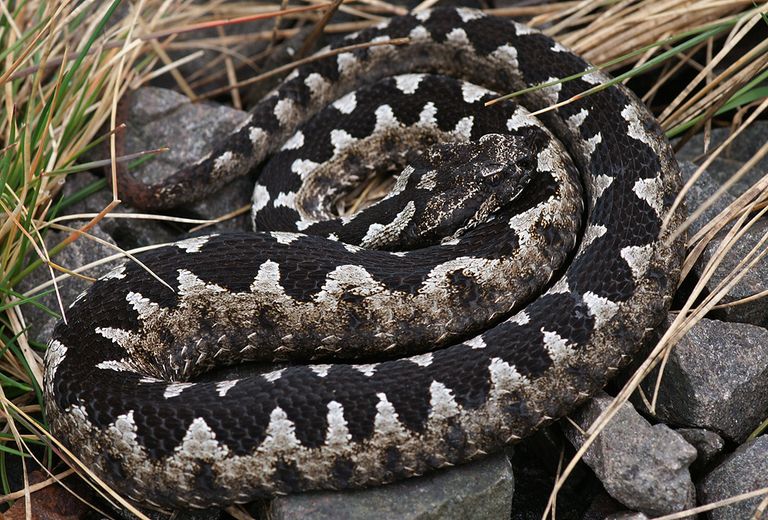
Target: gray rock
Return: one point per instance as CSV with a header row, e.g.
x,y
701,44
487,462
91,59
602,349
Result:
x,y
159,117
627,515
708,445
642,466
753,282
479,490
716,378
741,150
743,471
81,252
700,192
756,280
128,233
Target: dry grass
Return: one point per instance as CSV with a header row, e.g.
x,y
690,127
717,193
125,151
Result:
x,y
64,68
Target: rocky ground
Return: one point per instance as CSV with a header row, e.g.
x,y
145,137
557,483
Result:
x,y
698,446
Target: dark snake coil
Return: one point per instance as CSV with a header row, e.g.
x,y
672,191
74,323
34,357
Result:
x,y
117,378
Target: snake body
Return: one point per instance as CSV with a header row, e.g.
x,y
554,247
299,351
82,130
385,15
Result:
x,y
123,380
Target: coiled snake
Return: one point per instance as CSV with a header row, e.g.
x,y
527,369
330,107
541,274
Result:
x,y
450,274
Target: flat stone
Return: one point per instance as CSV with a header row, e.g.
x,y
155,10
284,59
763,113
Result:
x,y
643,466
716,378
745,470
480,490
159,117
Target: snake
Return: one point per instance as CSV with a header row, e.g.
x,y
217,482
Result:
x,y
523,255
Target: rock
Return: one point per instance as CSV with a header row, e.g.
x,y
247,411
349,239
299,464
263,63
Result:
x,y
128,233
716,378
744,470
81,252
708,445
159,117
753,282
642,466
756,280
479,490
700,192
627,515
741,150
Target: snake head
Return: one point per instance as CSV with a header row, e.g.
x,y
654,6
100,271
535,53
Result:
x,y
468,181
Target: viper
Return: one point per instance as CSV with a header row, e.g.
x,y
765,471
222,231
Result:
x,y
515,265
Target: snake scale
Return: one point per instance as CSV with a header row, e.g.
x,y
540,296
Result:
x,y
458,314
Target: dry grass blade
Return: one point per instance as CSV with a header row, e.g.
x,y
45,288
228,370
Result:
x,y
311,40
278,71
98,485
38,486
720,503
697,212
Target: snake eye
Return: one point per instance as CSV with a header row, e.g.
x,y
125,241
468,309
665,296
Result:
x,y
494,173
492,168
